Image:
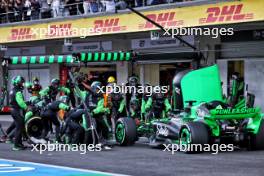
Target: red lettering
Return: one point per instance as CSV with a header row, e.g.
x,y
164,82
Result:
x,y
108,25
153,18
238,15
14,34
213,14
227,13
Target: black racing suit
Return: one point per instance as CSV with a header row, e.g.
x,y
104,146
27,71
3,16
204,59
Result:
x,y
50,114
157,107
116,103
10,130
70,86
74,128
18,108
50,93
95,103
131,95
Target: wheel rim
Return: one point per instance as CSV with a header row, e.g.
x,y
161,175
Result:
x,y
120,132
32,127
185,136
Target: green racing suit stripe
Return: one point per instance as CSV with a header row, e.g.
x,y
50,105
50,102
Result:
x,y
100,107
122,106
20,101
63,106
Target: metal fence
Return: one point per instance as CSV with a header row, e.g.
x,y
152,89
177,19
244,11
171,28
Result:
x,y
82,8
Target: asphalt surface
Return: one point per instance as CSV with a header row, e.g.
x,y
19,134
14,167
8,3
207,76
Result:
x,y
140,159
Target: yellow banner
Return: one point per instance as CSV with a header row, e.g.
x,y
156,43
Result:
x,y
213,14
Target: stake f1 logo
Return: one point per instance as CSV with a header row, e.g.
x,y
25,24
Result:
x,y
21,34
108,25
226,13
164,19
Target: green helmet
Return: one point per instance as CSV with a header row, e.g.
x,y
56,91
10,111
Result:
x,y
18,81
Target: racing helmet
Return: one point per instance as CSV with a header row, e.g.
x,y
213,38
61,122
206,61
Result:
x,y
158,100
55,83
95,86
18,81
158,96
65,99
111,79
35,81
133,81
134,104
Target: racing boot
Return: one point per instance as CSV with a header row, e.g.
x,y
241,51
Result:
x,y
18,147
9,140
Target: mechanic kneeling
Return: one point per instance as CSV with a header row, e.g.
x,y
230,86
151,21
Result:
x,y
73,129
50,114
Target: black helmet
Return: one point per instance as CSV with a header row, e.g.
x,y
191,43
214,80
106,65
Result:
x,y
35,81
134,103
18,81
158,96
133,81
55,83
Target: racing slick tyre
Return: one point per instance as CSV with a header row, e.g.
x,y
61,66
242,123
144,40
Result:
x,y
34,127
193,137
126,131
257,141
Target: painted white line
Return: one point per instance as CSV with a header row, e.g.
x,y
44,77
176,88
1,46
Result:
x,y
15,169
6,165
63,167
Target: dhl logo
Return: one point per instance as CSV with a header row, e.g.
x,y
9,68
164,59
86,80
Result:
x,y
59,30
108,25
21,34
226,13
164,19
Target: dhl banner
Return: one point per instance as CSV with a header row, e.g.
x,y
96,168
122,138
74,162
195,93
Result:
x,y
212,14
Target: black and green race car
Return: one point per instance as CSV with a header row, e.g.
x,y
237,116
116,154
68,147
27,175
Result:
x,y
201,115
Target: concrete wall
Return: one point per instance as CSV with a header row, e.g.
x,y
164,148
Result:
x,y
223,72
254,78
54,71
207,45
122,72
151,74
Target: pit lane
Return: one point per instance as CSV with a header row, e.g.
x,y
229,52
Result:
x,y
140,159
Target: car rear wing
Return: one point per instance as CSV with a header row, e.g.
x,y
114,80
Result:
x,y
235,114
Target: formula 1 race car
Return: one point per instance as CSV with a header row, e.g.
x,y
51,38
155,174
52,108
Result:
x,y
200,116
